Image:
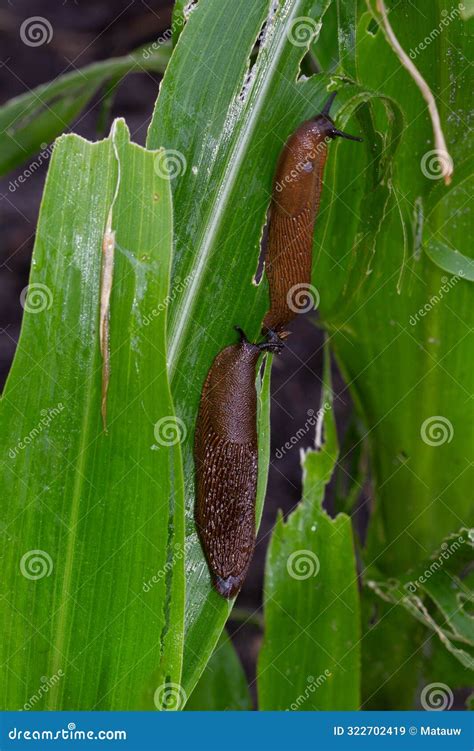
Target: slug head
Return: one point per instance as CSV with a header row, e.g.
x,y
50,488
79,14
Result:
x,y
273,343
326,126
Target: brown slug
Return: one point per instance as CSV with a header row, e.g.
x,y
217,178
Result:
x,y
295,204
225,451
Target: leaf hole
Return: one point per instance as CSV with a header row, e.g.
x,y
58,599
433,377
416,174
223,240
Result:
x,y
372,27
308,67
258,276
466,603
188,8
260,42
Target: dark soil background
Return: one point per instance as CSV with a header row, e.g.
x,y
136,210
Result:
x,y
84,32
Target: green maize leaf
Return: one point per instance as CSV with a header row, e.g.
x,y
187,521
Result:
x,y
92,607
312,627
434,594
450,260
399,326
31,121
223,685
235,110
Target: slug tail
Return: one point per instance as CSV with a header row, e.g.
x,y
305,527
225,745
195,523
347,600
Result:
x,y
229,587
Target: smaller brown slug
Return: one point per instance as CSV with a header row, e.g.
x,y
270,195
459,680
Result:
x,y
226,454
294,207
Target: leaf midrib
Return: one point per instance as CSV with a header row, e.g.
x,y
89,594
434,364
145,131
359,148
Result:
x,y
215,214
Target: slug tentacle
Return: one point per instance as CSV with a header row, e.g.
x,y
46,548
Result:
x,y
274,342
328,104
348,136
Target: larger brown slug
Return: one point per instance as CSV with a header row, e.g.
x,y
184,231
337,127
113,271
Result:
x,y
294,207
225,451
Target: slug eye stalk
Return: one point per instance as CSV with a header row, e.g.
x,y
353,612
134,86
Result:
x,y
349,137
333,132
328,103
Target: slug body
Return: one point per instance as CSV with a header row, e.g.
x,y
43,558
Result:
x,y
226,453
294,207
